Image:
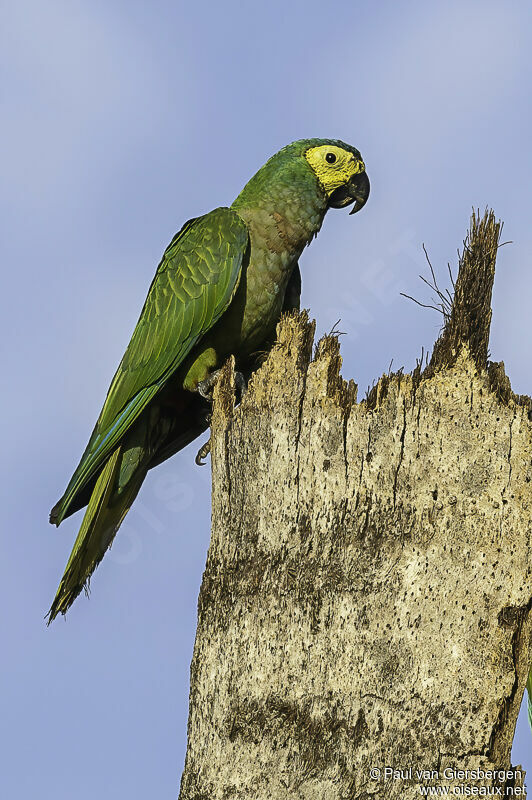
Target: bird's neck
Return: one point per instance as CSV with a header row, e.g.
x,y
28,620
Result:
x,y
286,210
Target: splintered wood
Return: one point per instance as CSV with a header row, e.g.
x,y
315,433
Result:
x,y
366,600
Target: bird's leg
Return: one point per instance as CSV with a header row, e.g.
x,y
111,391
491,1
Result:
x,y
205,389
204,418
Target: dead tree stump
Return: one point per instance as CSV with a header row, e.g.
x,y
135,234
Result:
x,y
366,599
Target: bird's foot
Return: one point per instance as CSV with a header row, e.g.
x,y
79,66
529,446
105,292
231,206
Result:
x,y
206,386
202,453
205,389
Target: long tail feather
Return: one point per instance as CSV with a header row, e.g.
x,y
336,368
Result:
x,y
105,511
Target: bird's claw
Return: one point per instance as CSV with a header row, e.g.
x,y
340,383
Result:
x,y
206,386
202,453
205,389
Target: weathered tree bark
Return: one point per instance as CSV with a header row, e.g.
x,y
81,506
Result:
x,y
366,600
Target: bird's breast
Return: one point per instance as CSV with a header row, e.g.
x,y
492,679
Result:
x,y
278,229
275,249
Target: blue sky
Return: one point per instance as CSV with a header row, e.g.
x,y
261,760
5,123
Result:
x,y
121,120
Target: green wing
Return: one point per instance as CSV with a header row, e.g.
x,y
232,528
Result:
x,y
193,286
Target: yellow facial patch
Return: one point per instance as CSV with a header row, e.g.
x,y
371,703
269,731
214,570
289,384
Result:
x,y
333,165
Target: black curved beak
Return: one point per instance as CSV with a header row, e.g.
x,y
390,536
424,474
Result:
x,y
359,190
356,191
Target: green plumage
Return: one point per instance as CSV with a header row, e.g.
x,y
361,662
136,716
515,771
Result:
x,y
193,286
219,290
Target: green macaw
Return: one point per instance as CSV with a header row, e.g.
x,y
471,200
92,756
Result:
x,y
219,290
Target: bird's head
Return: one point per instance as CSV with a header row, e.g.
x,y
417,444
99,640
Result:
x,y
340,171
332,168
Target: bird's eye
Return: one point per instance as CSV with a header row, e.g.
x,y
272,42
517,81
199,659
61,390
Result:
x,y
330,158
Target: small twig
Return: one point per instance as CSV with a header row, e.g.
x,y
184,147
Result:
x,y
334,332
450,275
444,306
419,303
